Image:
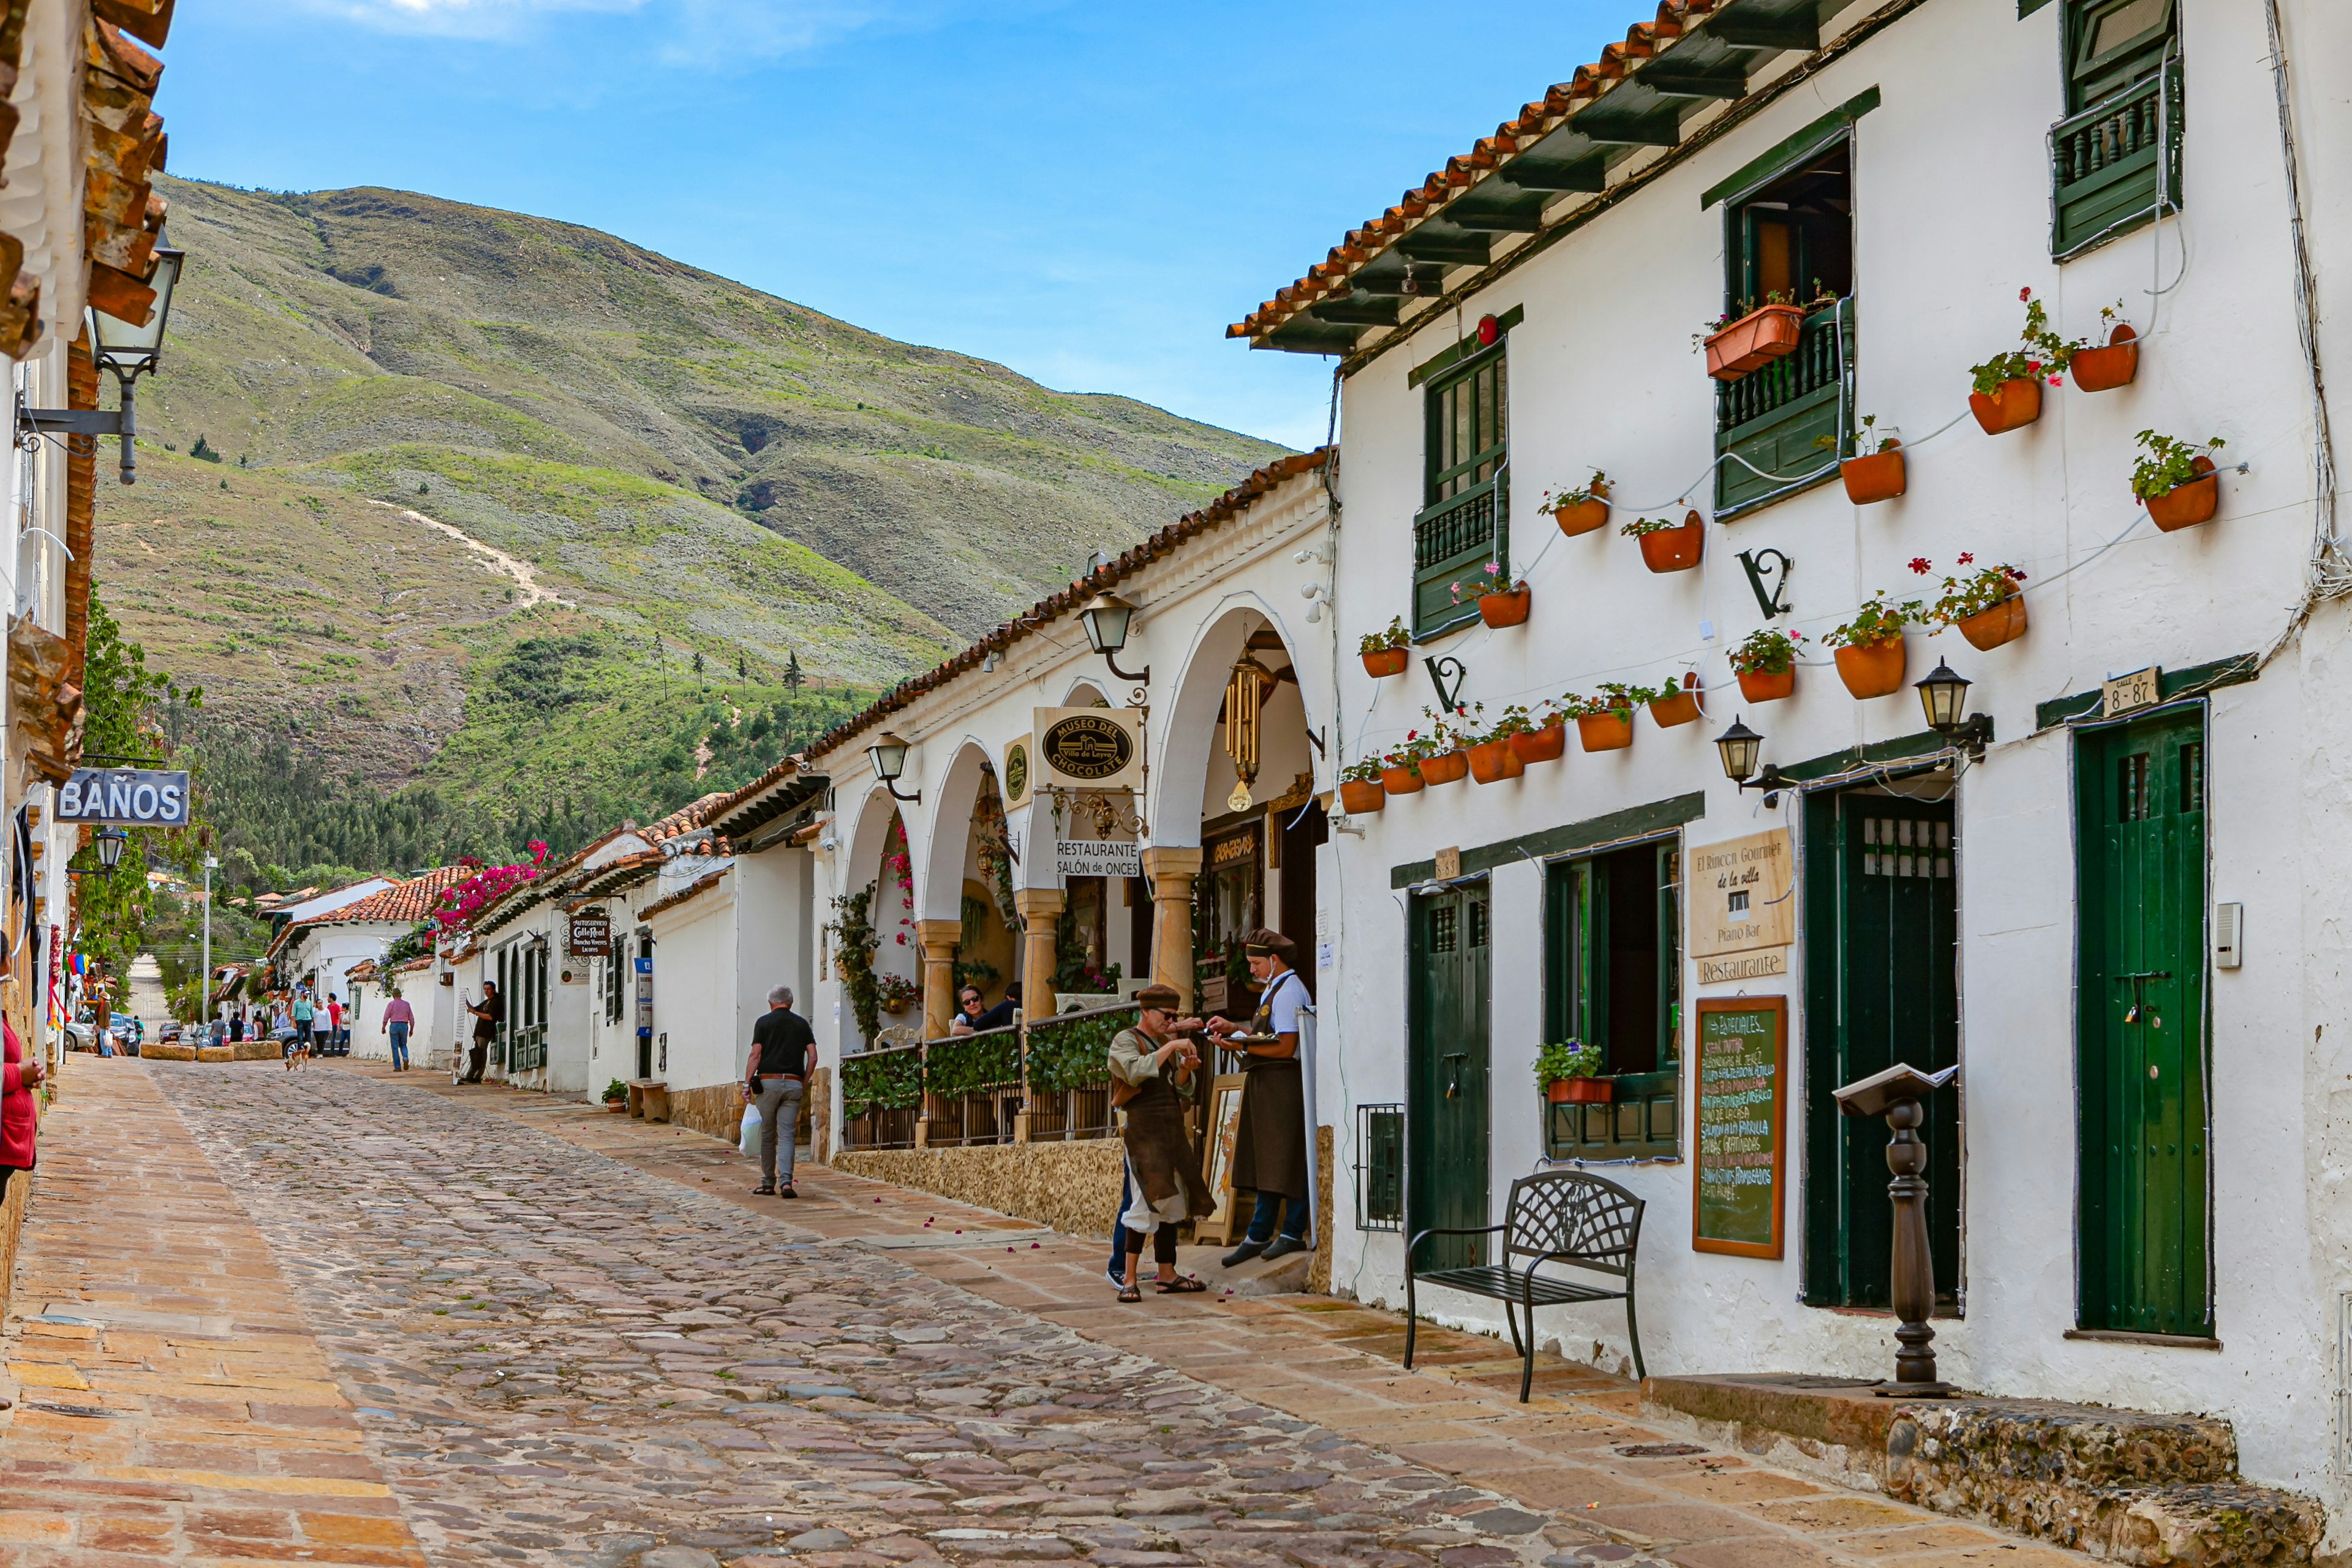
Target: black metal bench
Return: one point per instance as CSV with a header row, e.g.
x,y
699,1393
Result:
x,y
1558,1216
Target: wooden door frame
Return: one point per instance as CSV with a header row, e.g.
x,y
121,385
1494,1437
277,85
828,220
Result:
x,y
2093,735
1419,1116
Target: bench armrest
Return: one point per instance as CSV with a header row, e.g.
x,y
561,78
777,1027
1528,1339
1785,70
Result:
x,y
1421,1236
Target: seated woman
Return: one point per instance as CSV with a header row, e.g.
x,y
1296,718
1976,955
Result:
x,y
1152,1071
972,1018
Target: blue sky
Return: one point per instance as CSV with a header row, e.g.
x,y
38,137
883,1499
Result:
x,y
1087,192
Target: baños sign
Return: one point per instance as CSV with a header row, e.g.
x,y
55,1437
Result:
x,y
126,797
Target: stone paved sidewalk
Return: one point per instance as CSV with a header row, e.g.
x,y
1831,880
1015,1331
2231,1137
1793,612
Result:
x,y
171,1405
1558,1458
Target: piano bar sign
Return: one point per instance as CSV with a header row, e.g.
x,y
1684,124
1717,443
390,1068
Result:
x,y
125,797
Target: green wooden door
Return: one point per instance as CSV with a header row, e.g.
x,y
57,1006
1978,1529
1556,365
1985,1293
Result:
x,y
2141,1071
1447,1109
1896,949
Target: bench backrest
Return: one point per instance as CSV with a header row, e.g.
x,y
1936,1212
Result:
x,y
1580,1217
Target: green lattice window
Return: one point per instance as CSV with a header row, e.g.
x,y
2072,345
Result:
x,y
2115,160
1463,523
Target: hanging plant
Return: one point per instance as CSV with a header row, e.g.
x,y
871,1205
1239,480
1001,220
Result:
x,y
896,993
1385,653
1870,645
1766,663
1540,736
1874,473
2104,369
1500,603
1667,545
1582,510
2006,390
1671,703
1361,790
854,942
1604,721
2176,482
1985,604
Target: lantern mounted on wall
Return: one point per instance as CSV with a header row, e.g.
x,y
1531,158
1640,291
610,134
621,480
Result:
x,y
1739,747
1105,618
1943,694
888,755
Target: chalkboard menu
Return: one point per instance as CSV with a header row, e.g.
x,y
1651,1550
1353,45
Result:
x,y
1743,1060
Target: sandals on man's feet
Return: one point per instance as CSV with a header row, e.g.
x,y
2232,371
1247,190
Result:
x,y
1183,1285
1129,1293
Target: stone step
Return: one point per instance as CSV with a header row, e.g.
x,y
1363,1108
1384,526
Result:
x,y
2127,1485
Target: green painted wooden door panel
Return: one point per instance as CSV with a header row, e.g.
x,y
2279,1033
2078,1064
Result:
x,y
1446,1114
2141,1030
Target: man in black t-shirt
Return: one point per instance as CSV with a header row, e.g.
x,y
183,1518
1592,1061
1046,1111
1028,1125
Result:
x,y
489,1013
784,1054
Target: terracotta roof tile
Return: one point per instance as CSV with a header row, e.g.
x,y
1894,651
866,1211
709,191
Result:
x,y
701,885
1192,525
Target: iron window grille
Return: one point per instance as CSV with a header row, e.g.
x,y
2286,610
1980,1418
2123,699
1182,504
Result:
x,y
1379,1167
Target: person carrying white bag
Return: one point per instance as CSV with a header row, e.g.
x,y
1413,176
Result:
x,y
749,1141
784,1055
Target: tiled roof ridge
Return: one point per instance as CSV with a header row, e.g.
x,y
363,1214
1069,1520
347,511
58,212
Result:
x,y
1231,504
1463,171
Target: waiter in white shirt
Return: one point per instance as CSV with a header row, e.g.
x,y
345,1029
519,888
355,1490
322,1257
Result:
x,y
1270,1145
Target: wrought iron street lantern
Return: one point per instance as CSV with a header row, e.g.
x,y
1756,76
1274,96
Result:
x,y
128,349
111,841
888,755
1739,747
1944,695
1105,618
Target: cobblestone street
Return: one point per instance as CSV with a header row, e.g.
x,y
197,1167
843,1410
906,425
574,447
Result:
x,y
530,1351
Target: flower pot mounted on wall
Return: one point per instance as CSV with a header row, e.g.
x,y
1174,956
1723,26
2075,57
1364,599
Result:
x,y
1492,761
1405,780
1503,609
1754,341
1757,686
2013,405
1446,767
1580,1091
1988,629
1875,477
1386,661
1358,796
1583,518
2103,369
1682,708
1872,671
1610,732
2186,506
1544,745
1674,549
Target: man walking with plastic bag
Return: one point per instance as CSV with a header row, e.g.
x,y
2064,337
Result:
x,y
784,1054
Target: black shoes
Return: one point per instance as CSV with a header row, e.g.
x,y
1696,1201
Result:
x,y
1243,1254
763,1192
788,1193
1284,1245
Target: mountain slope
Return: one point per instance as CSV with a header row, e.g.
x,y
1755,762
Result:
x,y
311,328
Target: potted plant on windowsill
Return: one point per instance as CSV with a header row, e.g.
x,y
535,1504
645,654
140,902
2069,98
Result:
x,y
2176,482
1604,722
1384,653
1874,473
1870,646
1582,510
1671,703
616,1097
1569,1073
1985,604
1750,337
1361,790
2006,391
1540,736
1766,663
1500,603
2104,369
1668,546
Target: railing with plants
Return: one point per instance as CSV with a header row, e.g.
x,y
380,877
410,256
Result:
x,y
1069,1072
1458,535
1761,393
881,1095
971,1087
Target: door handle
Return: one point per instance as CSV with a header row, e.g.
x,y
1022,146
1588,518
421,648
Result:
x,y
1453,1076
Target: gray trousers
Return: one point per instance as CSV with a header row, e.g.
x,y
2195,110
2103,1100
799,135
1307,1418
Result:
x,y
779,1120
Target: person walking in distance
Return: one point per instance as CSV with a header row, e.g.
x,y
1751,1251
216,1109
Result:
x,y
489,1013
303,1013
399,1018
334,1036
784,1054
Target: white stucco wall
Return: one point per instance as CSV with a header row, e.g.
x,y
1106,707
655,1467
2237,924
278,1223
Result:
x,y
696,986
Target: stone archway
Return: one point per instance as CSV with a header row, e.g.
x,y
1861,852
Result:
x,y
967,896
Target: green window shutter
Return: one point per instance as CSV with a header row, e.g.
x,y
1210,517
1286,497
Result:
x,y
2115,160
1464,523
1589,962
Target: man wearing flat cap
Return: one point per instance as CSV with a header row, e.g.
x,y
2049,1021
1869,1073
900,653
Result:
x,y
1270,1145
1153,1070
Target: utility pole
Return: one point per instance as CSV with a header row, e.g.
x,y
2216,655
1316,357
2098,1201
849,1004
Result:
x,y
205,982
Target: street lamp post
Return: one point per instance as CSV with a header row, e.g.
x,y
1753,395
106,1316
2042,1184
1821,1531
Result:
x,y
129,350
204,981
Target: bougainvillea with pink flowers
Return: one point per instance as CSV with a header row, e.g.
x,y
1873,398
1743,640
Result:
x,y
462,901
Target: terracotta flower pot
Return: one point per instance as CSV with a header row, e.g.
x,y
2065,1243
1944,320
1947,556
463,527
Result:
x,y
1401,781
2185,505
1583,518
1680,708
618,1107
1580,1091
2103,369
1872,671
1673,549
1875,478
1754,341
1358,796
1544,745
1386,661
1988,629
1446,767
1505,609
1605,732
1757,686
1492,761
2015,406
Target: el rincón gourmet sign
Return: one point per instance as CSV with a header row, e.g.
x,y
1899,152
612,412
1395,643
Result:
x,y
126,797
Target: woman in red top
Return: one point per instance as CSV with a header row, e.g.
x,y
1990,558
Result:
x,y
17,1116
